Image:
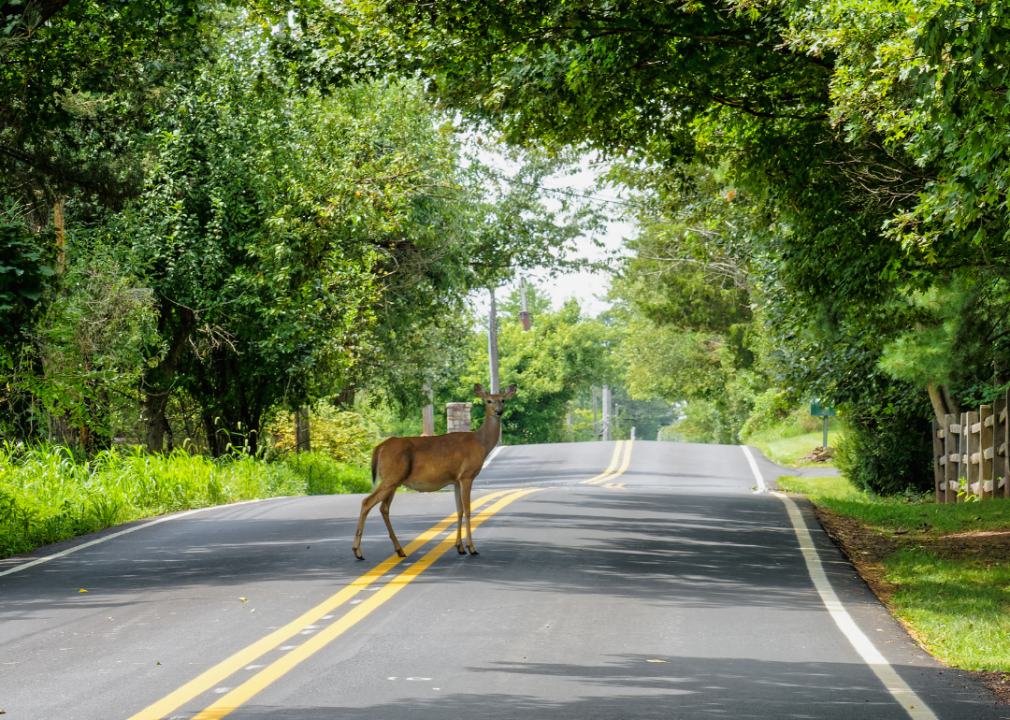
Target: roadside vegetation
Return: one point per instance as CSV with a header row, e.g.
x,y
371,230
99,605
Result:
x,y
788,441
942,570
46,495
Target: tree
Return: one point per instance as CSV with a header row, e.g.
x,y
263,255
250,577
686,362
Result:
x,y
561,357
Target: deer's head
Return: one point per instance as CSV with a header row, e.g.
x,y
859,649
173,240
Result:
x,y
494,404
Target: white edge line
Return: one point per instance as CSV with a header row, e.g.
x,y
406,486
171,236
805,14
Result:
x,y
74,549
491,456
899,689
754,468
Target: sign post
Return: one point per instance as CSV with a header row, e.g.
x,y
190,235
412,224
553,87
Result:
x,y
824,411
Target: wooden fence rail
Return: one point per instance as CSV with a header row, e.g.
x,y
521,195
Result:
x,y
970,454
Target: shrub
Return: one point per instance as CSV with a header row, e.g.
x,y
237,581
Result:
x,y
887,455
322,475
344,435
770,407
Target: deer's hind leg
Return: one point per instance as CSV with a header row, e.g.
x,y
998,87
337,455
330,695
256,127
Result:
x,y
459,521
384,509
366,507
466,506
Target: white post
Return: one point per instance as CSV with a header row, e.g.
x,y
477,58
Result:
x,y
632,432
595,418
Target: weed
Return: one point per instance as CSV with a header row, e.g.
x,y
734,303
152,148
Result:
x,y
47,495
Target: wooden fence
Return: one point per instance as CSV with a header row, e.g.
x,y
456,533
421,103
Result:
x,y
970,454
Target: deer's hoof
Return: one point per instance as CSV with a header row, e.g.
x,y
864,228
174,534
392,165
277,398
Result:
x,y
473,551
357,554
460,550
399,551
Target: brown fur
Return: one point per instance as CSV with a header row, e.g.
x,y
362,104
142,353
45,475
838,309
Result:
x,y
428,464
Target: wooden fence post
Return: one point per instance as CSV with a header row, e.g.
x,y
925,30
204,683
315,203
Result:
x,y
1001,465
962,473
950,440
987,452
939,460
972,433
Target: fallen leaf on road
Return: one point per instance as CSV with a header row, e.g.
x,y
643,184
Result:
x,y
243,599
662,661
81,590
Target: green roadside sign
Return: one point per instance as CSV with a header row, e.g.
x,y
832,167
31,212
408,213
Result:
x,y
821,410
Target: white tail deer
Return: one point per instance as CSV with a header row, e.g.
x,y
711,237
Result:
x,y
428,464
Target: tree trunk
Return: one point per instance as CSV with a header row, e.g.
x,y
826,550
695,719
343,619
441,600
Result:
x,y
160,378
937,401
302,441
346,398
953,406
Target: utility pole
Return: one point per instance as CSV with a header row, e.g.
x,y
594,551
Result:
x,y
492,350
492,343
524,315
606,413
428,414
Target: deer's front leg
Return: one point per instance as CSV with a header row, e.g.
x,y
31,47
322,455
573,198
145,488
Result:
x,y
459,520
466,506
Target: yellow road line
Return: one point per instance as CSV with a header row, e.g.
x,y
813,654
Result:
x,y
624,465
236,662
244,692
610,467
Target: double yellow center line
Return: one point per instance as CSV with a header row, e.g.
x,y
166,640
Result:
x,y
610,473
241,694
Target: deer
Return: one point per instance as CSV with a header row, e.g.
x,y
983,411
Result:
x,y
430,463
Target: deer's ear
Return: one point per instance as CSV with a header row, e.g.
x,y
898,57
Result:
x,y
479,391
509,391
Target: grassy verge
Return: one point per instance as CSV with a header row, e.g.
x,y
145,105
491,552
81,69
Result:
x,y
45,496
788,450
943,570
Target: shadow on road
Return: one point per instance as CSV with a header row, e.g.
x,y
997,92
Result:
x,y
631,687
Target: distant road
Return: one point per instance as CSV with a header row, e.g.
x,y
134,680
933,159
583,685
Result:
x,y
666,588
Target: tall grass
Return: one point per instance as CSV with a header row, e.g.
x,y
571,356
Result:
x,y
47,496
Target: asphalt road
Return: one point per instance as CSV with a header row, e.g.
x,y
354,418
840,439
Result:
x,y
669,590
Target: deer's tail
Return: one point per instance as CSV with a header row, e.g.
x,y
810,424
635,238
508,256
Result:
x,y
375,465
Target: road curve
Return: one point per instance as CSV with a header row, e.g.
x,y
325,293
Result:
x,y
664,588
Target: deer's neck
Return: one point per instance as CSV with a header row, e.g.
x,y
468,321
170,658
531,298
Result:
x,y
487,434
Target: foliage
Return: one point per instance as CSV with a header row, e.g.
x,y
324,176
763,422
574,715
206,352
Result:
x,y
770,408
346,436
76,82
761,184
879,460
47,496
24,275
561,357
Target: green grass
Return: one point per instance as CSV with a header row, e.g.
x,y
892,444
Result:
x,y
46,496
955,597
959,607
911,511
788,450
